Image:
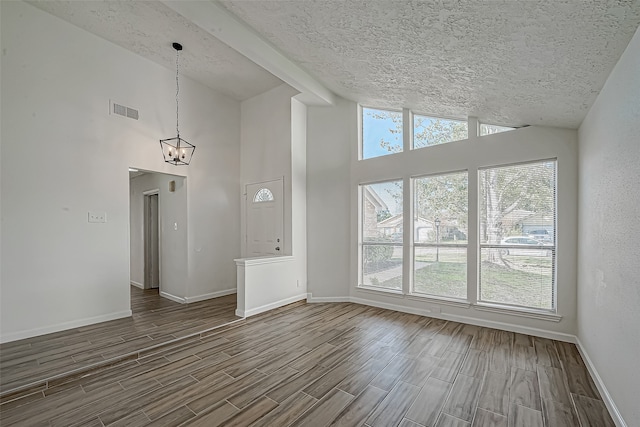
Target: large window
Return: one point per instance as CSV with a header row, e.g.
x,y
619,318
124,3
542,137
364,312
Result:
x,y
381,235
381,132
425,252
440,235
517,235
428,131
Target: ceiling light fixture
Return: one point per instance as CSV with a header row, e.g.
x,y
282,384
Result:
x,y
176,150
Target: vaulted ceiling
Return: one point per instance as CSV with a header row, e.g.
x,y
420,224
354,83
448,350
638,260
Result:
x,y
506,62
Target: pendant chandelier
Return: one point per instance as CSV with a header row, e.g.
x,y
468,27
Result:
x,y
176,150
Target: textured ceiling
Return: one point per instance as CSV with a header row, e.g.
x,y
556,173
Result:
x,y
507,62
148,28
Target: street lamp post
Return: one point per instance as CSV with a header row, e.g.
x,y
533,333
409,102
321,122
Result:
x,y
437,223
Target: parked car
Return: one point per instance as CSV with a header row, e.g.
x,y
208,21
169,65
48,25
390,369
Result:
x,y
540,235
524,246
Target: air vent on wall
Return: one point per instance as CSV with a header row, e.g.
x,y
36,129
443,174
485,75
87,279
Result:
x,y
124,111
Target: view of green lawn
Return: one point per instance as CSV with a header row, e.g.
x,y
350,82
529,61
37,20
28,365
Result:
x,y
518,280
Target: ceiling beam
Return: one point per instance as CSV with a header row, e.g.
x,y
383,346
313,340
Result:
x,y
212,17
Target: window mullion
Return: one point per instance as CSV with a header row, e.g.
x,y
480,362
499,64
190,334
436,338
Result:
x,y
473,258
407,238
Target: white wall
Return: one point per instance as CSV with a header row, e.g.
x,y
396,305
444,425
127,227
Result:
x,y
331,131
63,155
266,148
333,223
274,140
609,234
172,210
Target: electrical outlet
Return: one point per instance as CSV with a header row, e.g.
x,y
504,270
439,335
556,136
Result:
x,y
95,216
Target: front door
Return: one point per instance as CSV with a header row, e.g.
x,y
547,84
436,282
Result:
x,y
265,220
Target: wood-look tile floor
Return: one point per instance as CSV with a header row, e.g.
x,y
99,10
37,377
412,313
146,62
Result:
x,y
155,321
332,364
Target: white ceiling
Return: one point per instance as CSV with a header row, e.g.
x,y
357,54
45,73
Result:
x,y
506,62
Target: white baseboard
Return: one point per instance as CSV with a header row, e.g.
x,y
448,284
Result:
x,y
604,393
14,336
395,307
136,284
543,333
172,297
312,299
210,295
271,306
527,330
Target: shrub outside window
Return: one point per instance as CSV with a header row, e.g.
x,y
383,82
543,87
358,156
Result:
x,y
381,235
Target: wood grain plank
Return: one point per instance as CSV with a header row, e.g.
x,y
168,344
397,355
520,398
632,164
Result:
x,y
250,394
176,417
525,390
214,416
523,357
290,387
359,409
429,402
354,384
392,409
448,421
592,412
449,366
288,411
494,396
408,423
558,414
553,385
463,399
216,394
323,412
521,416
475,364
580,381
484,418
251,413
391,374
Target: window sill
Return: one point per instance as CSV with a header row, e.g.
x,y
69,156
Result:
x,y
531,314
439,300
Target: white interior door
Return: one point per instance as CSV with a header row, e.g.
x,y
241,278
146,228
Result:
x,y
265,220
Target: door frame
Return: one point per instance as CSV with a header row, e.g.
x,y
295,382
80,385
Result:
x,y
145,195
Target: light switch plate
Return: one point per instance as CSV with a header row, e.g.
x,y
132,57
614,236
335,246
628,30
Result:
x,y
95,216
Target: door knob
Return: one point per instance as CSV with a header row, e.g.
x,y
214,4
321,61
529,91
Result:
x,y
277,248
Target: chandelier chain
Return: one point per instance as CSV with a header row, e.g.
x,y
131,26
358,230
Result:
x,y
177,91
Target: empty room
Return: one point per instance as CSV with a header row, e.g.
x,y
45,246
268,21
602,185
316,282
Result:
x,y
321,212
